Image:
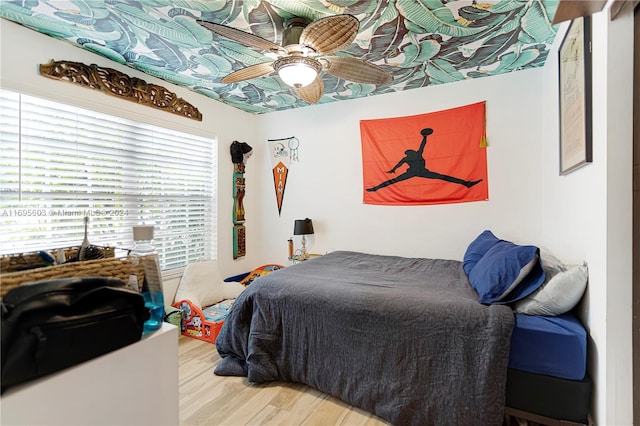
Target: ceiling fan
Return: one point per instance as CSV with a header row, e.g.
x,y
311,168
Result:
x,y
306,50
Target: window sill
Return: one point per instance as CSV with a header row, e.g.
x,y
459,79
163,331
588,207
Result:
x,y
172,274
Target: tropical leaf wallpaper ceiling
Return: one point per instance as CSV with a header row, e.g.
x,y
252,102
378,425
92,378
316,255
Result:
x,y
420,42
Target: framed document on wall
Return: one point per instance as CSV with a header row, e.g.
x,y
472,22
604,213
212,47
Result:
x,y
575,96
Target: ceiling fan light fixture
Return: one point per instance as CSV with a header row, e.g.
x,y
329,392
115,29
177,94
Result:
x,y
297,71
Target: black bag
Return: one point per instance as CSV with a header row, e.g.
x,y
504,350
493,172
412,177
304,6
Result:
x,y
51,325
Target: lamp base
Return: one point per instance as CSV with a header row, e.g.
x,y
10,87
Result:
x,y
304,253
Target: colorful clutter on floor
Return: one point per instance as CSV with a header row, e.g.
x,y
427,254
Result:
x,y
205,323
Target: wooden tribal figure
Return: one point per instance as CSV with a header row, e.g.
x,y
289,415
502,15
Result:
x,y
240,153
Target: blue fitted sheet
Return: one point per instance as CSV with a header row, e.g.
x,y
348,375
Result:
x,y
554,346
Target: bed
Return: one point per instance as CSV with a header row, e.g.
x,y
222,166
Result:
x,y
403,338
547,379
344,324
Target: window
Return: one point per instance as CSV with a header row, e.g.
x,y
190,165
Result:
x,y
59,164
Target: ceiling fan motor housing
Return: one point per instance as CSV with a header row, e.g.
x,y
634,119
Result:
x,y
292,30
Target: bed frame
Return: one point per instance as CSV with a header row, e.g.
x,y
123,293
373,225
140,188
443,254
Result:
x,y
547,400
194,322
512,414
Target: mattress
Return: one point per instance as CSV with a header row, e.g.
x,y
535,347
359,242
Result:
x,y
553,346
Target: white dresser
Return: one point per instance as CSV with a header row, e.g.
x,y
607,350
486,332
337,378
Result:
x,y
134,385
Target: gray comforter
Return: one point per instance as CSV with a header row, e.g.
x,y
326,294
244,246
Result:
x,y
402,338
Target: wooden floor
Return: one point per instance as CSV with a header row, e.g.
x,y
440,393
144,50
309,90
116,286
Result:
x,y
207,399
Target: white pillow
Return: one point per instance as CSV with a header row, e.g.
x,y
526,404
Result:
x,y
551,264
560,292
201,284
232,289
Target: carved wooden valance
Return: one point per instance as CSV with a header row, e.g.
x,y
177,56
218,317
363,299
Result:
x,y
115,83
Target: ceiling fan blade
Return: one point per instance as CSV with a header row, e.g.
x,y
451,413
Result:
x,y
356,70
249,72
330,34
311,93
244,38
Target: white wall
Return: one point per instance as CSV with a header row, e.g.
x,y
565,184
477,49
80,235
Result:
x,y
586,215
326,185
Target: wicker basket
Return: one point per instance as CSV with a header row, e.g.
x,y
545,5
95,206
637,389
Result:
x,y
120,268
18,262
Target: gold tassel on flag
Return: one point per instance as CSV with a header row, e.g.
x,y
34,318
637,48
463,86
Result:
x,y
483,139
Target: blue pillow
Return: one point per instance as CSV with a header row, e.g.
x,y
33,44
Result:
x,y
478,248
507,272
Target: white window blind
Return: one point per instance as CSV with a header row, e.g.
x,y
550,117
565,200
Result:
x,y
60,163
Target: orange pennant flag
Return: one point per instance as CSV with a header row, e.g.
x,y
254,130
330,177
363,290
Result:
x,y
280,172
433,158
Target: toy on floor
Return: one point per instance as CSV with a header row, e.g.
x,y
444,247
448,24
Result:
x,y
205,299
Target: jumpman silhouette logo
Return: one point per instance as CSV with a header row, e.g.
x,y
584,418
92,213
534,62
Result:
x,y
417,168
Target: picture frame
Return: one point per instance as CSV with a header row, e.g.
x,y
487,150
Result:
x,y
575,97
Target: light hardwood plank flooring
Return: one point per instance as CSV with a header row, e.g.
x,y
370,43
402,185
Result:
x,y
207,399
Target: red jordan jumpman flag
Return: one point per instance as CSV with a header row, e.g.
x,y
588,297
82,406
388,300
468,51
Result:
x,y
434,158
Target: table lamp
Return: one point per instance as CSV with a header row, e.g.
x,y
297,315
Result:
x,y
303,227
